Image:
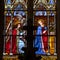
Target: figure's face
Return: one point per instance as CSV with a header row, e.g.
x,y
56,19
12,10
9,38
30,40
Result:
x,y
40,23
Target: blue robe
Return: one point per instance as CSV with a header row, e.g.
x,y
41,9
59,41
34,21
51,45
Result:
x,y
21,44
38,40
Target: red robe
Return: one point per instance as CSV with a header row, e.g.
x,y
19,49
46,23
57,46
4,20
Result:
x,y
8,44
45,39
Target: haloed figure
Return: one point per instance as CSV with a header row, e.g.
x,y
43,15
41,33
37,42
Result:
x,y
41,39
11,44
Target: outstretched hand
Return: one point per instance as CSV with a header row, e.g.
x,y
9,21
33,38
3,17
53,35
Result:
x,y
44,31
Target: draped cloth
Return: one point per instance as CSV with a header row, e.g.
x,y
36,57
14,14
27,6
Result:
x,y
21,43
45,39
12,46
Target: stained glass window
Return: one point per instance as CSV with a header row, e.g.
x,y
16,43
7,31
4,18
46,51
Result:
x,y
15,19
44,22
17,16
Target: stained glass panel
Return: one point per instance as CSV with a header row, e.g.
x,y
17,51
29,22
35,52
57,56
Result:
x,y
12,18
15,4
44,4
15,34
15,22
44,23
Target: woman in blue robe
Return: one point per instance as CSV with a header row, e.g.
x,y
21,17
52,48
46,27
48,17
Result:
x,y
38,42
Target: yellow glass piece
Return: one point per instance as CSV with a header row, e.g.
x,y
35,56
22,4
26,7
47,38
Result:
x,y
52,44
49,57
10,57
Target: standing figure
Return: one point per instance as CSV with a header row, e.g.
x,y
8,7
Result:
x,y
11,43
41,39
